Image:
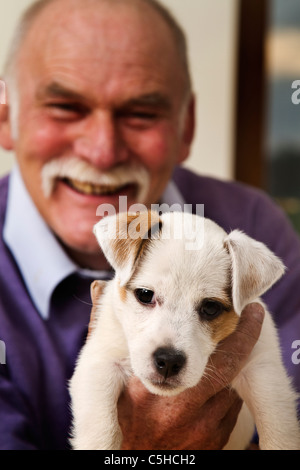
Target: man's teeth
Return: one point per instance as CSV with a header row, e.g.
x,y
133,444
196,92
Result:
x,y
95,189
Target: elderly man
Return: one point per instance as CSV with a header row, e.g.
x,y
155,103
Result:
x,y
100,105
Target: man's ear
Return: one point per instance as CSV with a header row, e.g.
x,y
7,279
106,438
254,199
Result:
x,y
123,238
188,130
254,268
6,140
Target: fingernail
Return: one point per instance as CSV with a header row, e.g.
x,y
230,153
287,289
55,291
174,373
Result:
x,y
257,311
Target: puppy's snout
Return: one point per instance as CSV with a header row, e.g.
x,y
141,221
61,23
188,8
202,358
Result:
x,y
168,361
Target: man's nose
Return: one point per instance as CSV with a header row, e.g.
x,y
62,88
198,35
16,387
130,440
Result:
x,y
100,141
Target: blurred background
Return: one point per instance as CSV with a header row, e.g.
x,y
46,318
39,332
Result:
x,y
245,57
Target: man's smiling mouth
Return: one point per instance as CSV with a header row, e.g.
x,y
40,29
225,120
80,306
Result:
x,y
131,180
96,189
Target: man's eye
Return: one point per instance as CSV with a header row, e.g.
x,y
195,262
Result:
x,y
64,106
145,296
142,115
60,108
210,309
138,118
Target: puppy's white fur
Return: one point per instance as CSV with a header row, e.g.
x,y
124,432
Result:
x,y
232,268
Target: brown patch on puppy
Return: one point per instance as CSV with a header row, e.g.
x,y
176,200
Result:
x,y
122,293
129,225
97,288
223,325
226,323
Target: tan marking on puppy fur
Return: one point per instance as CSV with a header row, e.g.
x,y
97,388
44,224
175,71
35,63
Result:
x,y
223,325
121,245
226,323
132,244
122,293
97,288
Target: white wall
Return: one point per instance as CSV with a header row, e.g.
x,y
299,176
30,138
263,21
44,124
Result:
x,y
211,31
211,27
9,13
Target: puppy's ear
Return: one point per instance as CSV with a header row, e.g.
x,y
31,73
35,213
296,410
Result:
x,y
254,268
97,289
124,236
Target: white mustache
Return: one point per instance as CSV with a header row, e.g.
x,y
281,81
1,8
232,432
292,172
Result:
x,y
75,168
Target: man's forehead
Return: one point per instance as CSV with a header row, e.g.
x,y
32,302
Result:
x,y
86,36
86,50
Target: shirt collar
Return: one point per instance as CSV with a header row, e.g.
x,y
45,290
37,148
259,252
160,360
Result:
x,y
26,234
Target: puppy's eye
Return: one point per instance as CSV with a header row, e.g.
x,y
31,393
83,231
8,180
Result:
x,y
210,309
145,296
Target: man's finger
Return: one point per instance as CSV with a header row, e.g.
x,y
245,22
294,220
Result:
x,y
224,401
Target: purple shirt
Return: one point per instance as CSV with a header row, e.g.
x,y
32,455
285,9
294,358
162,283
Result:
x,y
41,351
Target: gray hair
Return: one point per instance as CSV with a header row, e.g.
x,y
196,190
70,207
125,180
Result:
x,y
29,16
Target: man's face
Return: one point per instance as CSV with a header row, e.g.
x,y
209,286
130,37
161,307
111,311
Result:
x,y
97,84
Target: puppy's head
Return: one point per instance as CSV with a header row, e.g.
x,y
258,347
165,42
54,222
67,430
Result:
x,y
175,304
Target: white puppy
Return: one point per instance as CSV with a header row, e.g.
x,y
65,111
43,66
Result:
x,y
178,291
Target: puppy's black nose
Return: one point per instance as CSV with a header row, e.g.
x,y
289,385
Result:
x,y
168,361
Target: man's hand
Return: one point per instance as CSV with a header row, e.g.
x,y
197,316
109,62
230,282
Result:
x,y
199,418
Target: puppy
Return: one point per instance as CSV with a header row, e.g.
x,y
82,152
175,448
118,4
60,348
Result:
x,y
180,285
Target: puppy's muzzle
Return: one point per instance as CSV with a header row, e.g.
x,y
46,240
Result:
x,y
168,361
